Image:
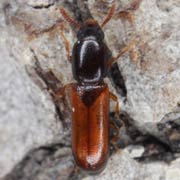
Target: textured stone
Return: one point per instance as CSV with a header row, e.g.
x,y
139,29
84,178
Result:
x,y
118,168
173,172
121,167
37,3
28,118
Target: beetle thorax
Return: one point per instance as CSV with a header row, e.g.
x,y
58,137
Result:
x,y
89,60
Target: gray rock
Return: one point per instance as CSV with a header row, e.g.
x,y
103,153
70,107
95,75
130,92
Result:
x,y
38,3
122,167
28,116
135,151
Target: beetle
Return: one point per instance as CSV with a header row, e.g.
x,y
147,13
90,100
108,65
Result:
x,y
90,95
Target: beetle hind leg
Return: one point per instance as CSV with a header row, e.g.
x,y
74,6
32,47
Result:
x,y
114,135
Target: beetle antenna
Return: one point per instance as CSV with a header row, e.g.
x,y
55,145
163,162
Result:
x,y
68,18
109,16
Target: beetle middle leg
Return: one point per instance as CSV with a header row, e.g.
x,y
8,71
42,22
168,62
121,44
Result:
x,y
122,52
115,98
113,125
114,134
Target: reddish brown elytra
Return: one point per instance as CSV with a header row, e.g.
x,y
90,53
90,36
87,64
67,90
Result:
x,y
90,95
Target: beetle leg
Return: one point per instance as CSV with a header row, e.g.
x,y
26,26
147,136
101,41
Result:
x,y
115,137
125,15
122,52
60,93
115,98
66,43
34,33
113,125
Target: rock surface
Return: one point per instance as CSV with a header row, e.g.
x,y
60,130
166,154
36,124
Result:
x,y
27,116
34,138
121,166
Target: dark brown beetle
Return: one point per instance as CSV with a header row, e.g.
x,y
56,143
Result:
x,y
90,95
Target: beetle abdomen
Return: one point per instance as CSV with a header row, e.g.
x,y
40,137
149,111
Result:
x,y
90,126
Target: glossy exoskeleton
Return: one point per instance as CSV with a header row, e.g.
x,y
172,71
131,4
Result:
x,y
90,95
